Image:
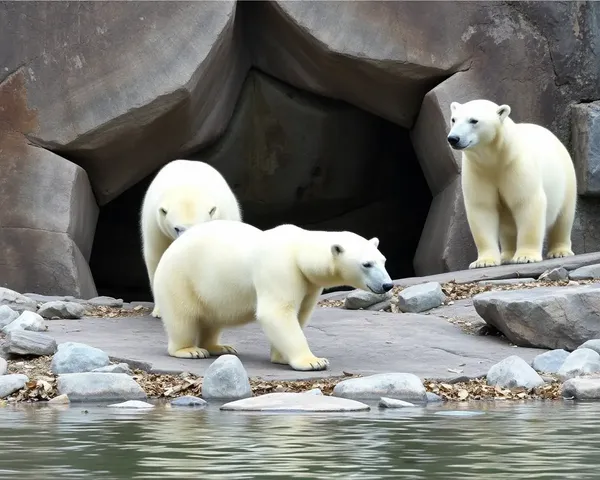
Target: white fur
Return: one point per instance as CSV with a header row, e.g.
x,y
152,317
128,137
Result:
x,y
223,274
190,193
518,183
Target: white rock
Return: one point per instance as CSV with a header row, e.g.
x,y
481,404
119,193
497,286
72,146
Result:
x,y
27,321
189,401
11,383
386,402
513,372
420,298
295,402
593,344
550,362
7,315
581,388
73,357
404,386
24,342
582,361
132,404
96,386
226,378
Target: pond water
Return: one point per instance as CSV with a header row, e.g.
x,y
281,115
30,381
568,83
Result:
x,y
541,440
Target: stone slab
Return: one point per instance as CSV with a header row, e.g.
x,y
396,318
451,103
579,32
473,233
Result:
x,y
295,402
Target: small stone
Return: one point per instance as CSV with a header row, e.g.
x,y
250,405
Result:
x,y
115,368
72,357
16,301
189,401
105,302
3,366
433,398
27,321
314,391
581,388
593,344
60,400
357,299
295,402
555,274
226,378
132,404
96,386
420,298
403,386
11,383
380,306
386,402
506,281
62,310
7,315
513,372
582,361
24,342
550,362
588,272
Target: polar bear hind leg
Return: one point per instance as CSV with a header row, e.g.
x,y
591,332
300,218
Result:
x,y
508,235
530,218
559,236
209,339
182,331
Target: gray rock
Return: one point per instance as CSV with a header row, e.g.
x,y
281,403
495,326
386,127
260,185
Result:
x,y
593,344
403,386
96,386
386,402
105,302
50,298
581,388
314,391
27,321
3,366
114,368
433,398
380,306
550,362
226,378
72,357
555,274
513,372
135,404
582,361
362,299
588,272
16,301
506,281
7,315
11,383
544,317
189,401
62,310
24,342
295,402
420,298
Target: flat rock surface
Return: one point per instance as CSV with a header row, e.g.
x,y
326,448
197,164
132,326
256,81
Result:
x,y
359,342
294,402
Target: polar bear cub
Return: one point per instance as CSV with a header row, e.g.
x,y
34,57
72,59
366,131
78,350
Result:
x,y
518,183
224,274
183,193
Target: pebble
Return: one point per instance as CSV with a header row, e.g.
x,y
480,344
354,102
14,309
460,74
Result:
x,y
96,386
24,342
295,402
403,386
433,398
72,357
226,378
386,402
420,298
11,383
60,400
132,404
27,321
555,274
189,401
314,391
357,299
505,281
3,366
581,388
16,301
62,310
579,362
115,368
513,372
550,362
593,344
105,302
585,273
7,315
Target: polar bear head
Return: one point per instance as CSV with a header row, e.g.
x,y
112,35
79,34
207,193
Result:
x,y
475,123
360,264
180,210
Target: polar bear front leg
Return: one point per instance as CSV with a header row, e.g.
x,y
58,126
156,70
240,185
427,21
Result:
x,y
209,339
483,222
530,217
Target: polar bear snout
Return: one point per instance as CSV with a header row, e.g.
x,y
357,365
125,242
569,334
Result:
x,y
179,229
453,140
383,288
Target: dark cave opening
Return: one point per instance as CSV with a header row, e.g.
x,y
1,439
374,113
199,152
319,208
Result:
x,y
290,157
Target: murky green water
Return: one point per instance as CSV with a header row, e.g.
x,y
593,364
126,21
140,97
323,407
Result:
x,y
533,440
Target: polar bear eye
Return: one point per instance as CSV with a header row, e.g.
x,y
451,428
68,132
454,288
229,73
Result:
x,y
473,121
367,264
453,120
162,211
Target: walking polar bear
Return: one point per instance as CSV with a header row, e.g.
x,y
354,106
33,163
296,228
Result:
x,y
224,274
183,193
518,184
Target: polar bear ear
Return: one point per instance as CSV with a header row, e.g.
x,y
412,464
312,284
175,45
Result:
x,y
212,211
375,241
162,210
337,249
454,106
503,112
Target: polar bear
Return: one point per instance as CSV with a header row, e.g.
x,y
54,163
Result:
x,y
183,193
518,183
224,274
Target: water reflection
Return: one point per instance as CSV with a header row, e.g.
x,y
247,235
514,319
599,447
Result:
x,y
531,440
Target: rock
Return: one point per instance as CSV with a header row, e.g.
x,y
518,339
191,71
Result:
x,y
593,344
295,402
3,366
105,302
385,305
226,378
513,372
362,299
7,315
403,386
60,400
114,368
50,298
550,362
24,342
95,386
386,402
73,357
588,272
580,362
16,301
543,317
420,298
585,135
62,310
27,321
136,404
433,398
555,274
11,383
314,391
581,388
189,401
506,281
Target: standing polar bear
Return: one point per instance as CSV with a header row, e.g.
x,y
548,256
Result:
x,y
183,193
518,184
223,274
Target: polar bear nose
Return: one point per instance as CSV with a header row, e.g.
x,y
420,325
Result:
x,y
387,287
453,140
179,230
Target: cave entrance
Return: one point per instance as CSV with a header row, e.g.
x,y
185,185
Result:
x,y
290,157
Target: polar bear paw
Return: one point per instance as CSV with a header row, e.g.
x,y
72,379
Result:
x,y
506,257
309,363
190,352
560,253
156,312
220,349
483,262
527,257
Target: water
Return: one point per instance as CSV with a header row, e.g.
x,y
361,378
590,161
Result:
x,y
551,440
